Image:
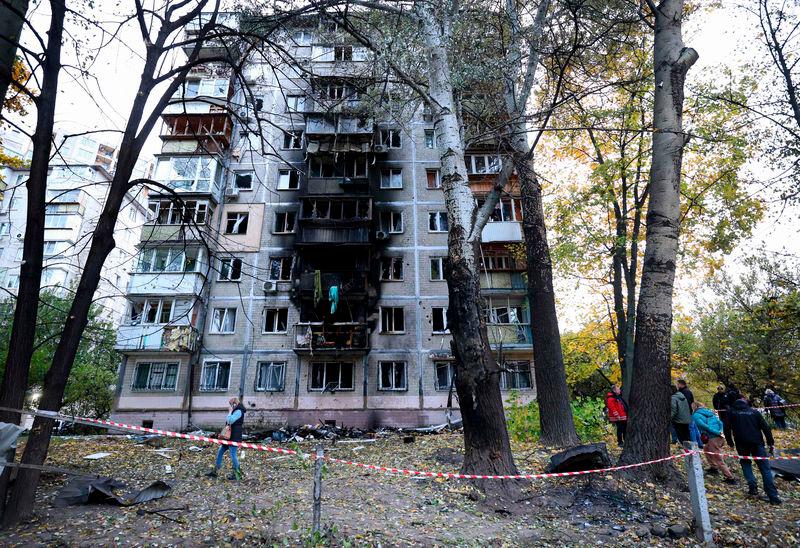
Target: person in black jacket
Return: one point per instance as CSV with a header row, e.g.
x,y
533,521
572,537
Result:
x,y
684,389
731,394
749,429
235,420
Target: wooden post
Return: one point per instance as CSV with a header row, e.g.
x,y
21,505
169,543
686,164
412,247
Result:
x,y
317,517
697,494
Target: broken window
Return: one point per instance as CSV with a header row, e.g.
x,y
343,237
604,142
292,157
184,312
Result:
x,y
275,320
236,222
270,376
343,53
390,138
392,376
215,376
223,321
437,221
391,222
439,319
284,222
430,138
444,374
230,269
331,376
392,269
288,179
517,376
434,179
392,319
437,269
293,139
243,180
280,268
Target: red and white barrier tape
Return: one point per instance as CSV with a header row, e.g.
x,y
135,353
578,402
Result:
x,y
749,457
192,437
450,475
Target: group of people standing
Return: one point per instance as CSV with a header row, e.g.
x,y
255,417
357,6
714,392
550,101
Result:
x,y
733,420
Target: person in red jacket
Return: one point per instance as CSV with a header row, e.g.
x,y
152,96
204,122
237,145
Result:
x,y
617,412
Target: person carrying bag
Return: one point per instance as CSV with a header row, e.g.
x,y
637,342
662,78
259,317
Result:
x,y
233,430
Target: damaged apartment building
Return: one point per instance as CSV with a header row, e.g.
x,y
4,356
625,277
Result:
x,y
304,269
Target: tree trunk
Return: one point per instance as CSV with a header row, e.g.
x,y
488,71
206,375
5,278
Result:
x,y
20,347
648,436
487,449
552,396
10,31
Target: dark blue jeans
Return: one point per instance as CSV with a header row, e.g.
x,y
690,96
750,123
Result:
x,y
221,453
763,467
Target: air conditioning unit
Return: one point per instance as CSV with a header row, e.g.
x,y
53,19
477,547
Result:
x,y
380,148
381,235
270,286
231,192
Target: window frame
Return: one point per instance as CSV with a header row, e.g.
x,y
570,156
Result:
x,y
394,259
390,228
216,364
437,178
441,217
450,375
230,261
393,364
446,330
384,320
279,311
390,174
391,138
292,181
441,268
237,174
430,139
515,372
325,382
212,328
292,139
263,388
243,218
147,387
286,215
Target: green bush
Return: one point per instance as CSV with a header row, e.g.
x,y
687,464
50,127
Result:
x,y
523,419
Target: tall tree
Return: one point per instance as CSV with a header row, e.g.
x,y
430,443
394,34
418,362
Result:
x,y
20,348
12,17
649,423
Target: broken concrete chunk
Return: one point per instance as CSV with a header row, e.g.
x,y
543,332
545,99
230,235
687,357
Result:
x,y
678,531
658,531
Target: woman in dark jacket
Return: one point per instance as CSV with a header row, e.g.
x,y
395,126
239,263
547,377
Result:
x,y
235,420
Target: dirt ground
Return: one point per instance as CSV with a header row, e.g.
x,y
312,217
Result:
x,y
272,504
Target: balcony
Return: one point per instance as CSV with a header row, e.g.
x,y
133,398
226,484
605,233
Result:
x,y
157,234
226,24
165,283
502,231
319,337
351,283
163,338
509,334
336,185
338,125
503,282
315,235
211,127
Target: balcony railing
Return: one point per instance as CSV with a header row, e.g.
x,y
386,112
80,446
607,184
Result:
x,y
349,282
502,281
213,125
333,235
502,231
509,334
165,338
154,233
166,283
318,337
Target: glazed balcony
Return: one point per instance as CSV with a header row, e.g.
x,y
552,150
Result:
x,y
503,282
509,334
154,234
502,231
336,337
152,337
165,283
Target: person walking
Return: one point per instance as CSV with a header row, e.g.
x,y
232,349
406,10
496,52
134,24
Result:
x,y
730,396
775,404
235,420
710,427
617,412
681,414
749,430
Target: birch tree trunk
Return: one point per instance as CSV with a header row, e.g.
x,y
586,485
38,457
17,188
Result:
x,y
648,436
477,375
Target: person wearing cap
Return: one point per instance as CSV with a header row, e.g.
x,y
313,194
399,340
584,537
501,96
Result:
x,y
774,404
749,430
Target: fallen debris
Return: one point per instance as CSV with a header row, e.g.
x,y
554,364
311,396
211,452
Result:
x,y
84,490
582,457
97,456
